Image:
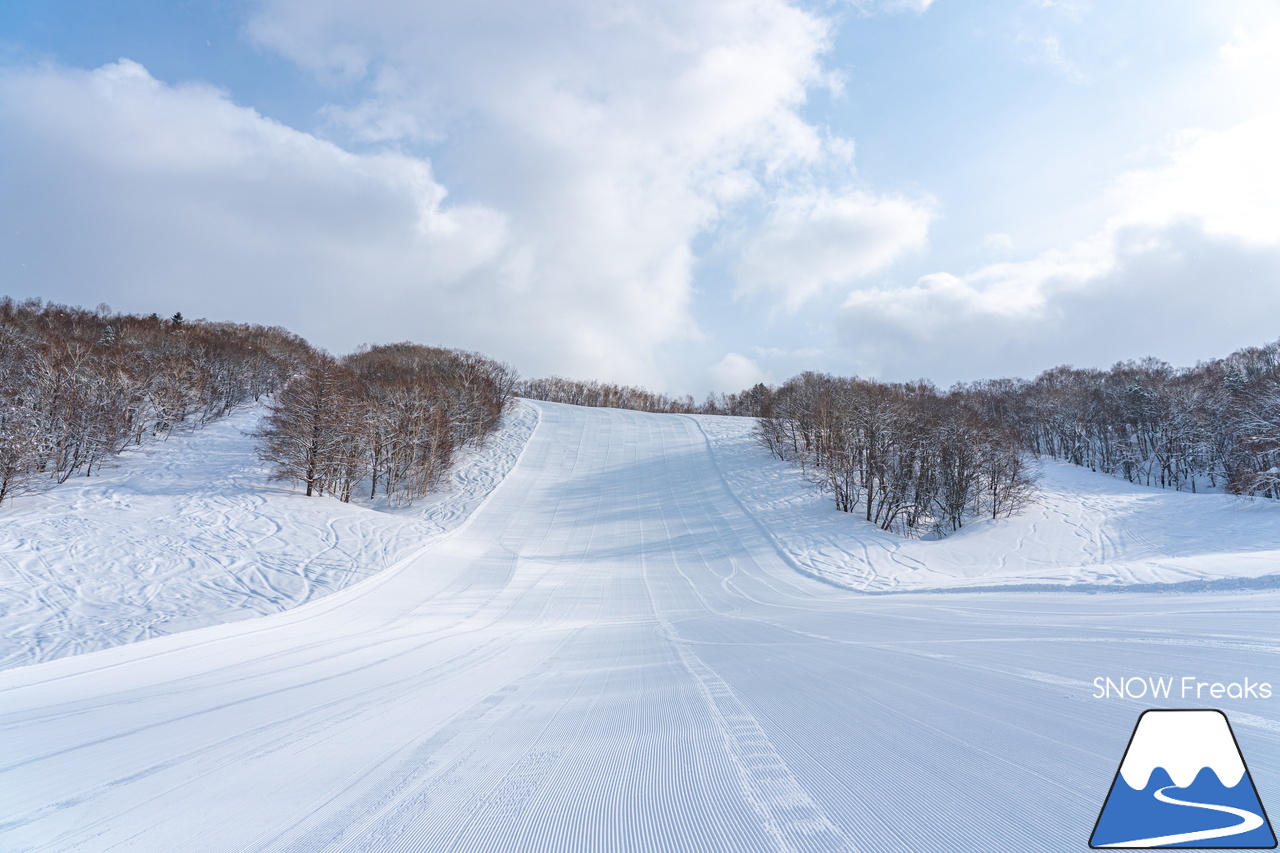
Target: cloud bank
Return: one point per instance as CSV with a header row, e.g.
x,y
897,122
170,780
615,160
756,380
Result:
x,y
531,180
664,194
1185,266
172,198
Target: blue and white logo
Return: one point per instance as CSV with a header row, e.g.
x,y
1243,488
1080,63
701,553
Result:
x,y
1183,783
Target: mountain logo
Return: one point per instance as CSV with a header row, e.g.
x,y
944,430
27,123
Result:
x,y
1183,783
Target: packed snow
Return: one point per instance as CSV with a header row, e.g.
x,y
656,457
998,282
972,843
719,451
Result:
x,y
642,635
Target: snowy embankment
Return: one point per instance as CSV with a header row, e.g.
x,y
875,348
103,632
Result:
x,y
1086,530
189,532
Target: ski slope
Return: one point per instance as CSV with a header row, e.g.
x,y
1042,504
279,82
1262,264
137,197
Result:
x,y
621,648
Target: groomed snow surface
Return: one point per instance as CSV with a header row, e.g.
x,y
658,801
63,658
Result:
x,y
627,632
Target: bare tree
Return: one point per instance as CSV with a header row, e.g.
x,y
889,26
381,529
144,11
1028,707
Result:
x,y
77,386
904,456
309,425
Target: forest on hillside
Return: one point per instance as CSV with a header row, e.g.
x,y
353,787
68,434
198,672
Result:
x,y
385,419
911,460
580,392
79,386
919,461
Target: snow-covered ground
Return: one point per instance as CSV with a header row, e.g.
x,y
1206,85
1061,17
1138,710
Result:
x,y
1086,530
615,651
189,532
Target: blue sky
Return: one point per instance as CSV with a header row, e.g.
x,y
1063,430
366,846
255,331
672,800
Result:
x,y
686,195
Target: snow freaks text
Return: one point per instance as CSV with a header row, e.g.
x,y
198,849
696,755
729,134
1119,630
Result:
x,y
1173,687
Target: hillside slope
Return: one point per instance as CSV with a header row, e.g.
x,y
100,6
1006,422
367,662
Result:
x,y
190,532
1086,530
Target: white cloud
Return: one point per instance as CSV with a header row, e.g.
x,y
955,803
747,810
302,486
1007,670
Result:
x,y
1184,267
1252,56
595,142
1175,292
997,243
735,372
612,135
1073,8
807,242
156,197
1048,50
1228,179
891,7
531,180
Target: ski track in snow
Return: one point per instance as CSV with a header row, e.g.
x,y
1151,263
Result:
x,y
189,532
635,640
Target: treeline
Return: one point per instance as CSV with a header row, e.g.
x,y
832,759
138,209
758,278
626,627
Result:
x,y
906,457
578,392
1213,426
78,386
915,460
385,420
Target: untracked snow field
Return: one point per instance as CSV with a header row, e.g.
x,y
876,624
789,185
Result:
x,y
633,634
